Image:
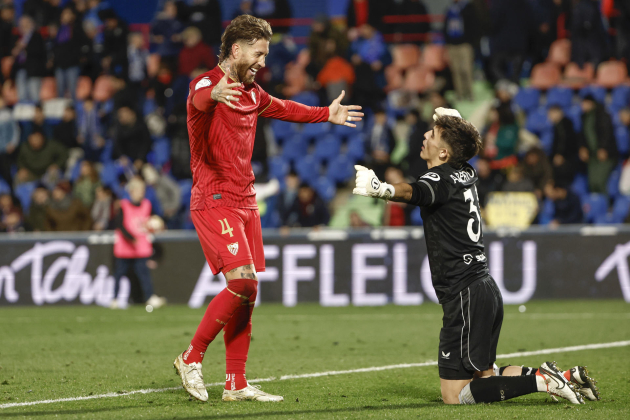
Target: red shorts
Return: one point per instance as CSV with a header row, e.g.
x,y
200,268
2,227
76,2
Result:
x,y
230,237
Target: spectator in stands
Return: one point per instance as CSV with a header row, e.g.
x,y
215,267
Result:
x,y
380,143
460,34
102,208
415,32
588,35
67,51
30,60
195,54
132,246
85,186
489,180
9,141
413,163
7,35
622,25
598,148
544,33
42,11
337,74
319,46
10,214
90,131
516,181
166,33
501,137
177,131
537,169
361,12
567,205
131,137
137,55
65,213
114,54
124,95
512,25
38,123
167,190
36,219
39,156
288,195
205,15
564,152
624,120
92,50
369,56
308,209
65,132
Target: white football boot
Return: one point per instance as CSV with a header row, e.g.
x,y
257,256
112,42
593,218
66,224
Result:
x,y
250,392
156,301
584,383
557,384
192,379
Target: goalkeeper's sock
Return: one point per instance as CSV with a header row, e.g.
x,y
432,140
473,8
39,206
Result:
x,y
497,388
524,370
237,336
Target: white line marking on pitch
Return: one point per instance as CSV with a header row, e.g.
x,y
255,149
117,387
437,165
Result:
x,y
330,373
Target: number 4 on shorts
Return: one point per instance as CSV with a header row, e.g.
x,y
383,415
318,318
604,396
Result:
x,y
225,227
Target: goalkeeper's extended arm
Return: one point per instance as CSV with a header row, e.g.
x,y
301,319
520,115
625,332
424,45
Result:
x,y
368,184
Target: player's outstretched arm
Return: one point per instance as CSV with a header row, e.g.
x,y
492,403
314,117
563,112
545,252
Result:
x,y
344,115
223,92
368,185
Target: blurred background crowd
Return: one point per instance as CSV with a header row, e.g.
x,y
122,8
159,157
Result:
x,y
91,100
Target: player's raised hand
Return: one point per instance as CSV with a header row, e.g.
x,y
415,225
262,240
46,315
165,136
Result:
x,y
368,184
225,91
343,115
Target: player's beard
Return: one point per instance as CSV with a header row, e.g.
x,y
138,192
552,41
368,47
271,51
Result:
x,y
242,71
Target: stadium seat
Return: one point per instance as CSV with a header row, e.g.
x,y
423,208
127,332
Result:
x,y
393,77
594,205
575,115
84,88
345,131
405,56
23,192
294,147
109,174
356,146
621,208
341,169
537,121
545,76
185,186
313,131
580,185
623,140
547,211
4,187
434,57
282,129
162,151
560,52
620,97
6,64
103,88
611,74
598,92
48,89
153,65
527,99
612,186
416,217
278,168
418,79
325,188
76,171
306,98
561,96
307,168
328,147
546,140
576,78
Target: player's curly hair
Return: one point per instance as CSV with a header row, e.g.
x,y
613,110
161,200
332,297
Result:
x,y
462,138
243,28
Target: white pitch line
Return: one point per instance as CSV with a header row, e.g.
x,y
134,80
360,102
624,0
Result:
x,y
330,373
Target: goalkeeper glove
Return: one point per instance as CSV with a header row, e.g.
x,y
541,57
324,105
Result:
x,y
368,184
439,112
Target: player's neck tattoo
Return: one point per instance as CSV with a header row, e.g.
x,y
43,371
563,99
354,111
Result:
x,y
233,73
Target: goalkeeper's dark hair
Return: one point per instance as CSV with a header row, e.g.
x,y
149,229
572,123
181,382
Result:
x,y
461,137
245,28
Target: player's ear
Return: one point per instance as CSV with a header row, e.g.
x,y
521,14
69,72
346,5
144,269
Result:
x,y
236,50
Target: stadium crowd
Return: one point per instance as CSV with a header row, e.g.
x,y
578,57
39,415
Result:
x,y
90,102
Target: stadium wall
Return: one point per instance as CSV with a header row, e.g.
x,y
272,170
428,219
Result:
x,y
329,267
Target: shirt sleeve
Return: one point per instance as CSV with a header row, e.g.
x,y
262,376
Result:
x,y
201,95
291,111
429,190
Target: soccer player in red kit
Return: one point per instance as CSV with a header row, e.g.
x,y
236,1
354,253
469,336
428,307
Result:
x,y
223,106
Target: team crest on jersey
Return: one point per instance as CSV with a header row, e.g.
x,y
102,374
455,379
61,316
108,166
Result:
x,y
431,176
253,96
233,248
203,83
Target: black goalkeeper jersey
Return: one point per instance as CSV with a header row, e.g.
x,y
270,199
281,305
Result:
x,y
452,226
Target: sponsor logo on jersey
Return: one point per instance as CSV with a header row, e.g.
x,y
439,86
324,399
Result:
x,y
480,257
233,248
468,258
203,83
464,176
253,96
446,355
431,176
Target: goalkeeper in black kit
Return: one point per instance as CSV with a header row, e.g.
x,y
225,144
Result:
x,y
470,298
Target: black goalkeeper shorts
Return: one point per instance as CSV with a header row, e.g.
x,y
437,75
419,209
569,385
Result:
x,y
470,330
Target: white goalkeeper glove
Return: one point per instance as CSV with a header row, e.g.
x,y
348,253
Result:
x,y
368,184
439,112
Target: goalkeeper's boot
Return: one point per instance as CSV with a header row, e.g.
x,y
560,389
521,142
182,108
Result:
x,y
252,393
192,379
585,385
557,384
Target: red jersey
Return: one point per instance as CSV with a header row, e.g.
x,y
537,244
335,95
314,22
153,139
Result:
x,y
222,141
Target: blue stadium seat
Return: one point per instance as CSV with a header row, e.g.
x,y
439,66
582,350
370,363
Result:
x,y
356,146
623,140
560,96
612,187
23,192
345,131
306,98
598,92
546,140
313,131
341,169
109,174
580,185
325,188
537,121
149,106
594,205
527,99
308,168
278,167
547,212
283,129
328,147
162,151
76,171
620,97
621,208
294,147
4,187
106,154
575,115
416,217
185,186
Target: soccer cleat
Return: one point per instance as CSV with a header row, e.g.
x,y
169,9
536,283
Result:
x,y
250,392
557,384
584,383
192,379
156,301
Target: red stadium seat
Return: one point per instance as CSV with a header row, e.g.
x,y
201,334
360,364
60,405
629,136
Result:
x,y
84,88
544,76
48,90
418,79
434,57
103,88
577,78
9,94
611,74
153,65
560,52
394,78
405,56
6,65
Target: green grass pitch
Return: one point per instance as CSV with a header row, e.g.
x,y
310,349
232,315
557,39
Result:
x,y
53,353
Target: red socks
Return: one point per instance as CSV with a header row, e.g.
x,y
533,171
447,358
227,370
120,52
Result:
x,y
237,337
